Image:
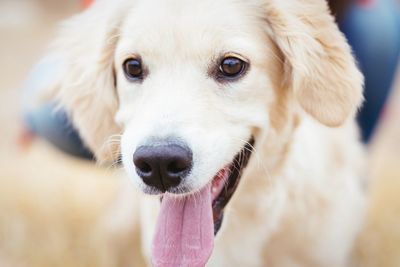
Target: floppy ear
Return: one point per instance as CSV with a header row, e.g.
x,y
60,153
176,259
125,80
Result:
x,y
86,45
319,66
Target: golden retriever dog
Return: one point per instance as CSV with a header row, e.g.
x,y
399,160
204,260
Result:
x,y
237,126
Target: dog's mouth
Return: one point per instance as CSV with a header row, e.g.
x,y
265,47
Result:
x,y
186,226
226,182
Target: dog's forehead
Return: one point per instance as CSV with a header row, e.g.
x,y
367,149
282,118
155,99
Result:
x,y
191,26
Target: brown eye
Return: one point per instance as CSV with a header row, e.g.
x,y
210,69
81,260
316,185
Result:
x,y
232,67
133,69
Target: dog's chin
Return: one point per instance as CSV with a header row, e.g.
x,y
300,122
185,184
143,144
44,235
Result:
x,y
223,184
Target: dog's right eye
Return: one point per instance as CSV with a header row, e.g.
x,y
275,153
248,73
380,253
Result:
x,y
133,69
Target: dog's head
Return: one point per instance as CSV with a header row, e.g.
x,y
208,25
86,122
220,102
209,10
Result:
x,y
192,85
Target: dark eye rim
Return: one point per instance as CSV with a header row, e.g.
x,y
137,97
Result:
x,y
139,77
221,77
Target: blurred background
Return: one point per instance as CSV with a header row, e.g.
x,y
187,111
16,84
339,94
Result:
x,y
54,207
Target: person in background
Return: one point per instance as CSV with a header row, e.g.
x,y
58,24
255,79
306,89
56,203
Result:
x,y
371,26
47,120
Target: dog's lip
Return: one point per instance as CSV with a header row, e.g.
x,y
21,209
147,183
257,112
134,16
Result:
x,y
235,170
226,181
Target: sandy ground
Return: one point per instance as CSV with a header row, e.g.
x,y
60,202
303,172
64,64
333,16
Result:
x,y
60,185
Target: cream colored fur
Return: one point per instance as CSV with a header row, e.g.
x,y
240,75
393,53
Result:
x,y
300,201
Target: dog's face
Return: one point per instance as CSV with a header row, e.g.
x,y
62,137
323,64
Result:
x,y
193,86
190,77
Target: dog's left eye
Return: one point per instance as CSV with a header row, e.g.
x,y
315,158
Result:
x,y
133,69
232,67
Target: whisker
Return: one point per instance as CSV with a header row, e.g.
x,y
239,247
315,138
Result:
x,y
112,147
256,153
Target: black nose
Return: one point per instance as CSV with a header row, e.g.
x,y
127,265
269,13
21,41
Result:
x,y
163,164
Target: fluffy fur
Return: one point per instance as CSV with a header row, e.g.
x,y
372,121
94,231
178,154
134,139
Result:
x,y
300,201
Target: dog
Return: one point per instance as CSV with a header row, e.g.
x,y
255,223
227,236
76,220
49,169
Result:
x,y
236,123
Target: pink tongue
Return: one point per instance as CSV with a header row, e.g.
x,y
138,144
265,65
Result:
x,y
184,234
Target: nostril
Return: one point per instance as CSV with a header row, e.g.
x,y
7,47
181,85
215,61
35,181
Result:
x,y
142,164
177,167
143,167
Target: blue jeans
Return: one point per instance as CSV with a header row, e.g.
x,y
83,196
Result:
x,y
46,120
373,32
